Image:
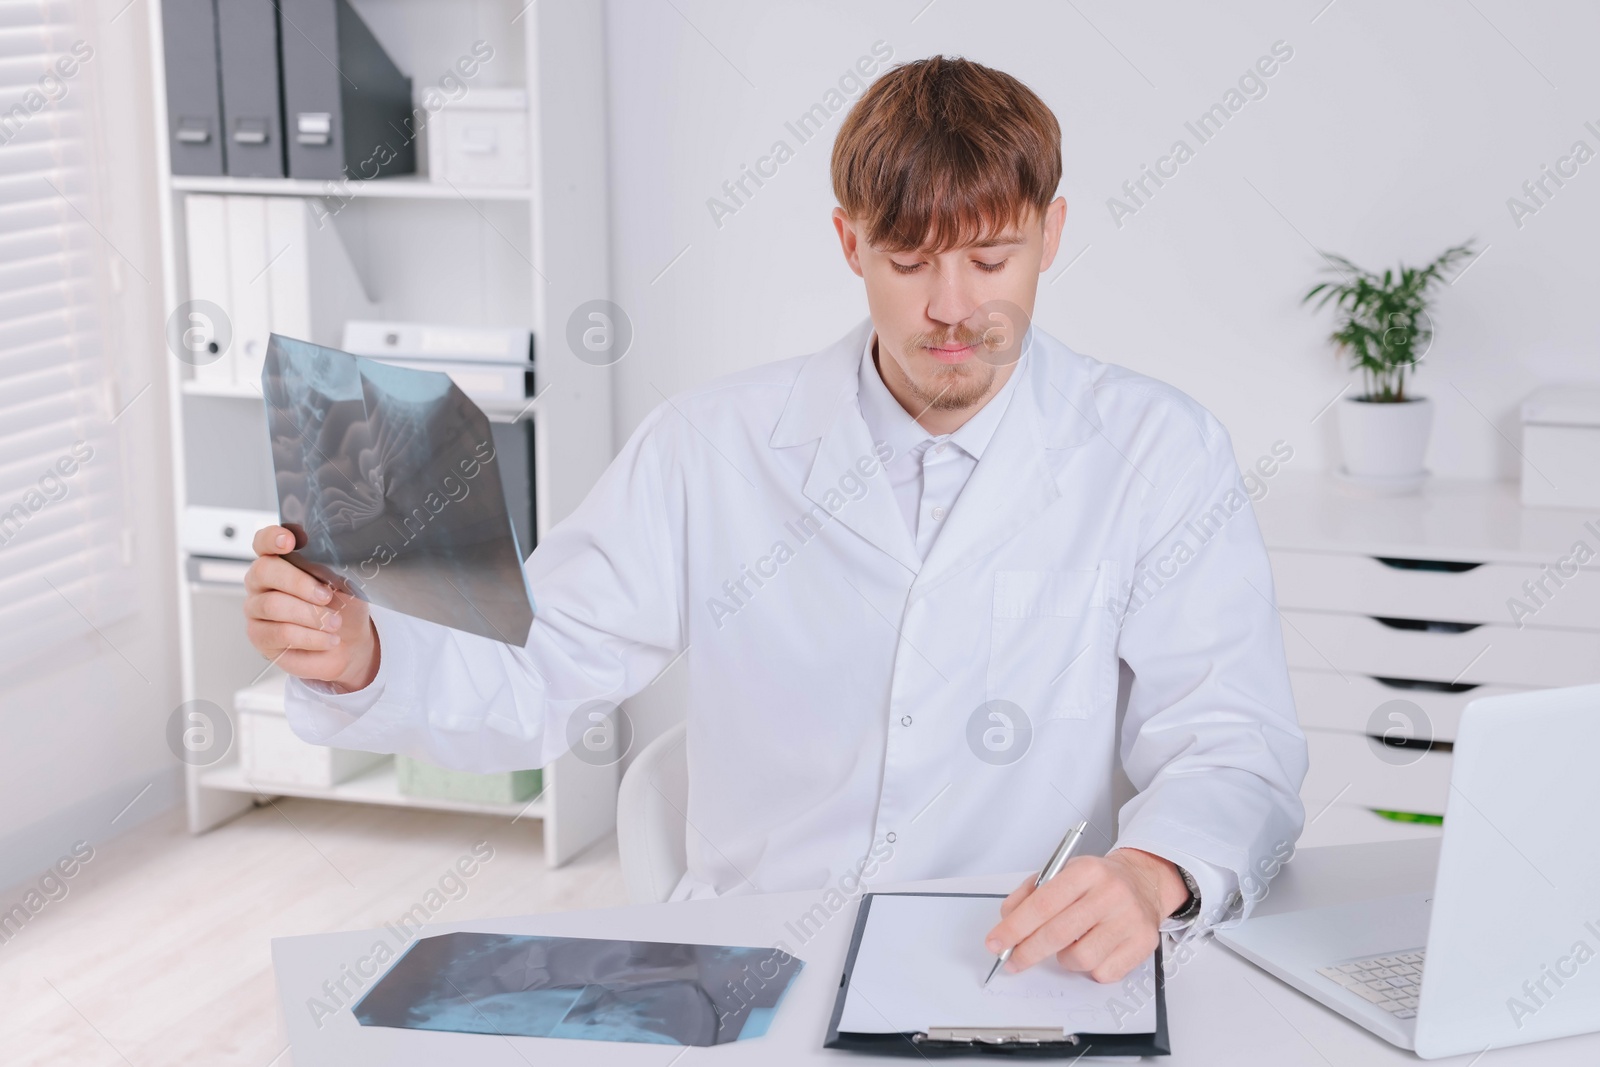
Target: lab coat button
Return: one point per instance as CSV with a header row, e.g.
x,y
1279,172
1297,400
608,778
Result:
x,y
889,837
905,720
938,513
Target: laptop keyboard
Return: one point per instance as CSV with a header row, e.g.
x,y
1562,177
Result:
x,y
1389,982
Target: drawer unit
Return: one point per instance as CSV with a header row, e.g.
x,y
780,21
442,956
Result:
x,y
1354,769
1493,655
1351,703
1436,589
1425,603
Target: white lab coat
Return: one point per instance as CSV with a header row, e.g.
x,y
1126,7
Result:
x,y
835,678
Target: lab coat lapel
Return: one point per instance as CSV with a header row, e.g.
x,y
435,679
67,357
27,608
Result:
x,y
823,405
846,449
1016,480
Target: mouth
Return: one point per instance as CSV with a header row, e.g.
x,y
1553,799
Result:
x,y
949,354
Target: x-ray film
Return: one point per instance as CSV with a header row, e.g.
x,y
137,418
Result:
x,y
387,477
585,988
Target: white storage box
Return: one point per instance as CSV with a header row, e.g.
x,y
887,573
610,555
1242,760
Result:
x,y
480,141
271,754
1561,447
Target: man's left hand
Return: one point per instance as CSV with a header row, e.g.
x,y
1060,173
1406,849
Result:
x,y
1101,916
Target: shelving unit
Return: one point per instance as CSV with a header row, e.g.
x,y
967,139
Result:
x,y
404,187
425,252
377,785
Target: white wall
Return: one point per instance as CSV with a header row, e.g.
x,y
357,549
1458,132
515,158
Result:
x,y
84,755
1394,131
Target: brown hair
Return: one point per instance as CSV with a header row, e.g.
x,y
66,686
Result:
x,y
944,152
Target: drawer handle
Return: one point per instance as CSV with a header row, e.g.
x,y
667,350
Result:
x,y
1444,566
1413,742
1423,684
1432,626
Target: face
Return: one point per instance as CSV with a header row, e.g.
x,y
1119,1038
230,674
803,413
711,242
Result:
x,y
947,323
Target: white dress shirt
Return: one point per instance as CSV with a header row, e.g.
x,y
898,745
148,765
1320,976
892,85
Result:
x,y
926,471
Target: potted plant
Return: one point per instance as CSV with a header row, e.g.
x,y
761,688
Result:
x,y
1384,330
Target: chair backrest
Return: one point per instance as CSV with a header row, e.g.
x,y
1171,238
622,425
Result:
x,y
652,826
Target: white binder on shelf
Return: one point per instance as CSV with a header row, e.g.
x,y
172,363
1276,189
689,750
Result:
x,y
250,304
492,365
206,230
270,267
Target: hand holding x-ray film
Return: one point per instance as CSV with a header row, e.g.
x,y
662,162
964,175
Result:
x,y
388,479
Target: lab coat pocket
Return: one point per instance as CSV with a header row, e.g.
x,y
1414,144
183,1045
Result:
x,y
1048,642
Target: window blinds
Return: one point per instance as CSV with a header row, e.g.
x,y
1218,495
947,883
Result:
x,y
63,573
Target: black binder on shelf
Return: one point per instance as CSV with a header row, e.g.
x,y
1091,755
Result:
x,y
347,105
194,96
252,114
962,1038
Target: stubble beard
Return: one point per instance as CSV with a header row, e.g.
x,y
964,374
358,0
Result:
x,y
954,388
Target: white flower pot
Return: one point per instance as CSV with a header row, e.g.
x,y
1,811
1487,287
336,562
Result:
x,y
1385,445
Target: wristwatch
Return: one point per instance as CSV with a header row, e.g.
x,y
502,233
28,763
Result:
x,y
1191,907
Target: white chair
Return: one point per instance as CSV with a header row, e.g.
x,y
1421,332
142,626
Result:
x,y
652,828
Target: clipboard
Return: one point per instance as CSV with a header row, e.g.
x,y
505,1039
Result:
x,y
957,1037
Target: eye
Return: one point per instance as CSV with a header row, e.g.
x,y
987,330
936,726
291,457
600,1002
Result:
x,y
990,268
905,268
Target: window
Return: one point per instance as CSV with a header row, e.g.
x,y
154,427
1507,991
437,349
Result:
x,y
64,551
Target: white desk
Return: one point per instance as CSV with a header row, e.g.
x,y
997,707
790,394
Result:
x,y
1221,1010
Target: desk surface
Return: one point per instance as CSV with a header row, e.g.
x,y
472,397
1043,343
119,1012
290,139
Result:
x,y
1221,1010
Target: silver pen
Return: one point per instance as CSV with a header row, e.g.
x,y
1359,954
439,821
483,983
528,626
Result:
x,y
1058,859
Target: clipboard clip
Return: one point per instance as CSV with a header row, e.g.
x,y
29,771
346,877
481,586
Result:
x,y
996,1035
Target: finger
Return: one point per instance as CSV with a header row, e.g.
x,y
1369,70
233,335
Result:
x,y
1018,895
272,541
275,606
1039,906
271,572
1091,950
1124,958
274,637
302,663
1061,931
342,601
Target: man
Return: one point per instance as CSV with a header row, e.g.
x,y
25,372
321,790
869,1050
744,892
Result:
x,y
911,573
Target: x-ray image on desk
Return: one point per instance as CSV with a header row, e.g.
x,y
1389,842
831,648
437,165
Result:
x,y
389,479
586,988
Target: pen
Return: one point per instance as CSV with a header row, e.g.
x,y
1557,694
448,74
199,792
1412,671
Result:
x,y
1058,859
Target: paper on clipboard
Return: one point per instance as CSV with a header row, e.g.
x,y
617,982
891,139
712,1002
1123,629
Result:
x,y
921,964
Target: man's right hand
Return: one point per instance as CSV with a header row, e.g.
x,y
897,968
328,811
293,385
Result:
x,y
305,627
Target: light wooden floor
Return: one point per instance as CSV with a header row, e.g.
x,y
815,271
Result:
x,y
159,954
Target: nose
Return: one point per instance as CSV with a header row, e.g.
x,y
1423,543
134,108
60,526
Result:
x,y
953,299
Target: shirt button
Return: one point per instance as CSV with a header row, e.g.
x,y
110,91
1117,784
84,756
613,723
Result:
x,y
938,513
940,450
889,837
905,720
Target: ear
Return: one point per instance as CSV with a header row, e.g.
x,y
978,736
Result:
x,y
1055,216
848,239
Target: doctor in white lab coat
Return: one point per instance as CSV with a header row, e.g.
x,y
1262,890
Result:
x,y
920,643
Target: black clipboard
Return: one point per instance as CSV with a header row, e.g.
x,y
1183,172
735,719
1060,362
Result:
x,y
955,1040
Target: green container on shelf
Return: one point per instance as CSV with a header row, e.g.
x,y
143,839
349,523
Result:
x,y
418,779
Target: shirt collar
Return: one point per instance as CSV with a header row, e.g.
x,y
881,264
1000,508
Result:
x,y
887,421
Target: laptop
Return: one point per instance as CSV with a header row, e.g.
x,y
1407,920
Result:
x,y
1506,947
